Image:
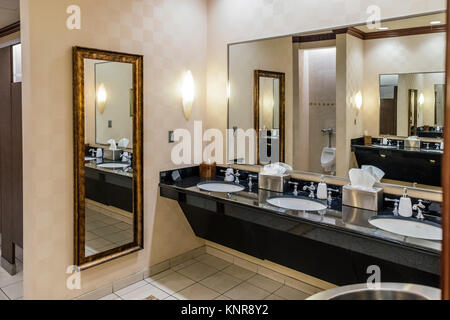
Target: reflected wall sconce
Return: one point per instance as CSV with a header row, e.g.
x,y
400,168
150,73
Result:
x,y
421,99
358,101
187,94
101,98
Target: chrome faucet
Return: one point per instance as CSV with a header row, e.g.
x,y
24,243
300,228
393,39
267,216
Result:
x,y
229,174
419,207
295,184
330,196
93,152
126,157
250,182
311,189
236,176
396,204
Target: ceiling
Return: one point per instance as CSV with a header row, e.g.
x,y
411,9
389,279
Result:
x,y
9,12
421,21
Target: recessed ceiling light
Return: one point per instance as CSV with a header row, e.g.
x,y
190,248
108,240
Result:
x,y
435,22
383,28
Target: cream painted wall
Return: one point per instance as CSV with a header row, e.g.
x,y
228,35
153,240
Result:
x,y
118,81
410,54
171,34
271,55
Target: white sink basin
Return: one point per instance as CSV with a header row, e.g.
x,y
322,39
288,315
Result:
x,y
408,227
220,187
113,165
297,204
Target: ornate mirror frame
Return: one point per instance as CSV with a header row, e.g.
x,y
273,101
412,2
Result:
x,y
282,78
79,54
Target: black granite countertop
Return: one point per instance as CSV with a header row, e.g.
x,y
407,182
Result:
x,y
399,149
338,217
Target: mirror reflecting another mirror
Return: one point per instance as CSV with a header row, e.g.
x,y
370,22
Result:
x,y
108,155
269,115
354,97
412,104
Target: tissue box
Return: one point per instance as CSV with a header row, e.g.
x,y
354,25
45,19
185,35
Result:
x,y
274,183
361,198
112,155
412,143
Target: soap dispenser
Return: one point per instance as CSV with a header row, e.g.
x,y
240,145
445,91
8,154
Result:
x,y
405,207
322,189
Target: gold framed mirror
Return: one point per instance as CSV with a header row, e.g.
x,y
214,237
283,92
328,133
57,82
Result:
x,y
108,151
269,116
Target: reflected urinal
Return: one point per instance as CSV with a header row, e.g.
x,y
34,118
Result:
x,y
328,160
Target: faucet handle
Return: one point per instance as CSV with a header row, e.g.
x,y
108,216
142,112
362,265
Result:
x,y
418,207
295,184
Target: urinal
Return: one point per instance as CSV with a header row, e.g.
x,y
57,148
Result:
x,y
328,159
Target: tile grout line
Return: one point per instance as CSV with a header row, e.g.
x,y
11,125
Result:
x,y
1,290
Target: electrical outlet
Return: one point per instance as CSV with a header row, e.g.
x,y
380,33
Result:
x,y
171,137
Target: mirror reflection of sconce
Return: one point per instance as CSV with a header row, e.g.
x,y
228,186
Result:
x,y
421,99
187,93
101,98
358,102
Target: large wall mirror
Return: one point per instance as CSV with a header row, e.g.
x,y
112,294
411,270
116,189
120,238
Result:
x,y
269,115
412,104
354,96
107,155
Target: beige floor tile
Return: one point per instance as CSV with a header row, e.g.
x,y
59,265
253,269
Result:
x,y
14,291
170,298
300,285
172,283
196,292
3,296
184,264
220,282
265,283
159,276
111,296
130,288
6,279
246,291
274,297
291,293
222,297
213,261
145,292
238,272
198,271
91,236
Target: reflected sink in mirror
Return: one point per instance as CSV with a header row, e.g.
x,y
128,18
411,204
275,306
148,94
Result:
x,y
113,165
384,147
220,187
297,204
408,227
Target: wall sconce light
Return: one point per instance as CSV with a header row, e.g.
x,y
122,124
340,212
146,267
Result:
x,y
101,98
421,99
187,93
358,101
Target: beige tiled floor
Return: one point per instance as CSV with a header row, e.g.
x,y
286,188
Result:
x,y
11,287
104,232
208,278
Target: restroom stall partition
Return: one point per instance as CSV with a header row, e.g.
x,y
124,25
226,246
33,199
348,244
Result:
x,y
11,182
